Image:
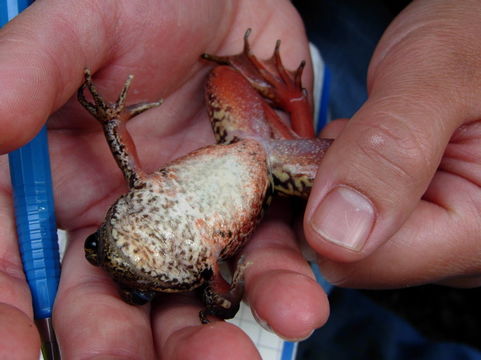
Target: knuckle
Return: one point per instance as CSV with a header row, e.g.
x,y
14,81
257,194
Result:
x,y
397,151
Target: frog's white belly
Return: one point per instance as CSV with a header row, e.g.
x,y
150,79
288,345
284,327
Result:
x,y
199,208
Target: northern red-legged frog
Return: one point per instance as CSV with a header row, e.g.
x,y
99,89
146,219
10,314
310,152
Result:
x,y
174,226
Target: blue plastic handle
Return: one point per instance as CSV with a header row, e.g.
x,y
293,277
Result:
x,y
35,219
34,207
11,8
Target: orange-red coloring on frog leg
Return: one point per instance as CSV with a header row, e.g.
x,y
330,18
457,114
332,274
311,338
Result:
x,y
237,110
278,87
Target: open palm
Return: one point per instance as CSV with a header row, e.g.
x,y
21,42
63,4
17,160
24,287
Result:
x,y
43,54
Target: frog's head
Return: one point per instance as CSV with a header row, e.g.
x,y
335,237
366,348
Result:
x,y
101,250
97,246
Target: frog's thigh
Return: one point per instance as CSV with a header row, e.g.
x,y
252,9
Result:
x,y
234,105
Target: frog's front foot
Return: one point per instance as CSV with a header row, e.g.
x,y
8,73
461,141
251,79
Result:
x,y
105,112
113,118
136,297
221,299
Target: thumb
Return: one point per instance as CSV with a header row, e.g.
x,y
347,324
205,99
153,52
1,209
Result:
x,y
423,82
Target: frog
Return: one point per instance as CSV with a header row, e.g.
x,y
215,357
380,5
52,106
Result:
x,y
175,226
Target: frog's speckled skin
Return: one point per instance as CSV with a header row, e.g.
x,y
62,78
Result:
x,y
179,223
170,230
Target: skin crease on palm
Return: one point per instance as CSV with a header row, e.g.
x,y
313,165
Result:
x,y
424,83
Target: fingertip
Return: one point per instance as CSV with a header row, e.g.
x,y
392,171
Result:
x,y
341,224
179,334
280,286
217,340
292,306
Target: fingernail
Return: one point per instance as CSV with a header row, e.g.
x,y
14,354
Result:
x,y
344,217
266,327
298,339
264,324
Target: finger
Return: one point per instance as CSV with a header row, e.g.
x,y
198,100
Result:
x,y
18,334
436,244
377,170
38,48
333,128
280,286
44,50
89,317
180,335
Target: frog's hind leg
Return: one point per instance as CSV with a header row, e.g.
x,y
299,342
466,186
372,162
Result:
x,y
237,110
113,118
222,299
283,89
294,164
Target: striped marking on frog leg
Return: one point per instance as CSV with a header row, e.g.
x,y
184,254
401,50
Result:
x,y
235,109
294,163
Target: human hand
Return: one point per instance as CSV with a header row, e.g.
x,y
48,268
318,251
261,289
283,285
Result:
x,y
43,54
401,182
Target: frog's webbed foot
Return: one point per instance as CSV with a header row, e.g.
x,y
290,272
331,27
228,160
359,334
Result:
x,y
113,117
220,298
282,88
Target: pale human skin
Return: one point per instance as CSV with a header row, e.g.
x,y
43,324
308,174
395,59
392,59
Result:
x,y
424,83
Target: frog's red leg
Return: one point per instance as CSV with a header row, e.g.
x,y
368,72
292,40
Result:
x,y
283,89
294,164
113,118
237,110
222,299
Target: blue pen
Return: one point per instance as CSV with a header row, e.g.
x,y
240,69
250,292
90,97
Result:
x,y
35,218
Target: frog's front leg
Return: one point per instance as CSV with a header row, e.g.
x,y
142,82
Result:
x,y
113,118
222,299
